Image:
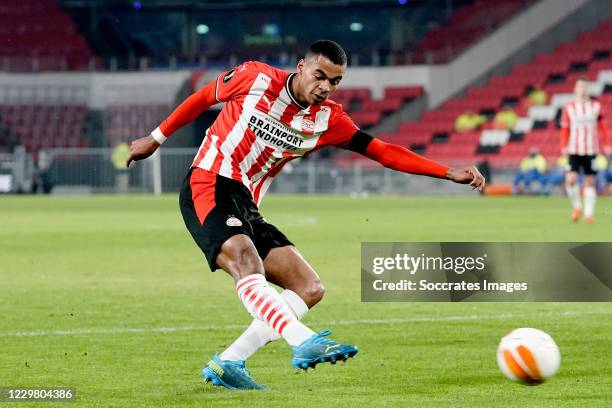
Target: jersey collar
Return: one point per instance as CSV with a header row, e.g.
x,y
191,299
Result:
x,y
290,92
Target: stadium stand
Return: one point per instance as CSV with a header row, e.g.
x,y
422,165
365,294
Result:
x,y
556,72
470,23
366,111
36,126
437,30
122,31
37,35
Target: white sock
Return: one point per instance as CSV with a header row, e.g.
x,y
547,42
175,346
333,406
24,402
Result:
x,y
264,303
258,334
590,195
573,193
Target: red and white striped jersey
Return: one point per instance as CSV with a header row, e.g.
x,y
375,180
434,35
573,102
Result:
x,y
262,127
582,118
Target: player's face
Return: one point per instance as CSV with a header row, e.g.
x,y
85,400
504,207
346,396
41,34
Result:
x,y
318,79
580,89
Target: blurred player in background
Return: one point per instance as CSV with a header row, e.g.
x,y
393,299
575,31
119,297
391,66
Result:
x,y
271,117
582,125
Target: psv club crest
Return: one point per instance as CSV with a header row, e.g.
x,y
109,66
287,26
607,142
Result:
x,y
233,222
308,125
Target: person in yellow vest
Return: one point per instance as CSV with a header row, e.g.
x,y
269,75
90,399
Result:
x,y
468,121
537,97
600,165
609,177
556,176
505,118
532,169
119,156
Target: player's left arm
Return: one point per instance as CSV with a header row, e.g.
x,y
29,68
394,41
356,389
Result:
x,y
399,158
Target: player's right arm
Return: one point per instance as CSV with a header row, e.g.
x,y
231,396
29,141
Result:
x,y
394,156
185,113
399,158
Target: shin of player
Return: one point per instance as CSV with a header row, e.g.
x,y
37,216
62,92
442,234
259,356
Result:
x,y
286,268
259,333
573,193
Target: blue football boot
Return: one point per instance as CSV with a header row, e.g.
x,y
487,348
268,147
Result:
x,y
229,374
319,349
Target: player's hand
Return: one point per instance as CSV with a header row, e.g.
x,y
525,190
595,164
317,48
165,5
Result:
x,y
564,151
142,148
467,175
608,151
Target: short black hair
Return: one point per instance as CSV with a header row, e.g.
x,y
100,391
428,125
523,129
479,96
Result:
x,y
329,49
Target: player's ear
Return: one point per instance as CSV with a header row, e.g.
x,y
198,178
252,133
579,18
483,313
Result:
x,y
300,65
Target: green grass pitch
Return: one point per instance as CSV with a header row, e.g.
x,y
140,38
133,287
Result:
x,y
109,295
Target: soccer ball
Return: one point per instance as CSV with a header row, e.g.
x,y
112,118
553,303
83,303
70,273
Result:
x,y
528,356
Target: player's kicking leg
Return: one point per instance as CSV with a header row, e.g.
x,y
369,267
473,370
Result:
x,y
240,259
285,267
224,222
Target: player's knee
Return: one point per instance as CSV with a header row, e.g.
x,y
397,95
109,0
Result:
x,y
241,258
249,261
314,292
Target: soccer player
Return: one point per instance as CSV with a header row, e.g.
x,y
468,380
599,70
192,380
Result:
x,y
581,124
271,117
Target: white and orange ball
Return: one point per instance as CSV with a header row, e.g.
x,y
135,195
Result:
x,y
529,356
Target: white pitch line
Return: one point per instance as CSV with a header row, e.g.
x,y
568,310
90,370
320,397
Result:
x,y
421,319
466,317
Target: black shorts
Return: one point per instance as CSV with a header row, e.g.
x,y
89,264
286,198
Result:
x,y
584,163
215,208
